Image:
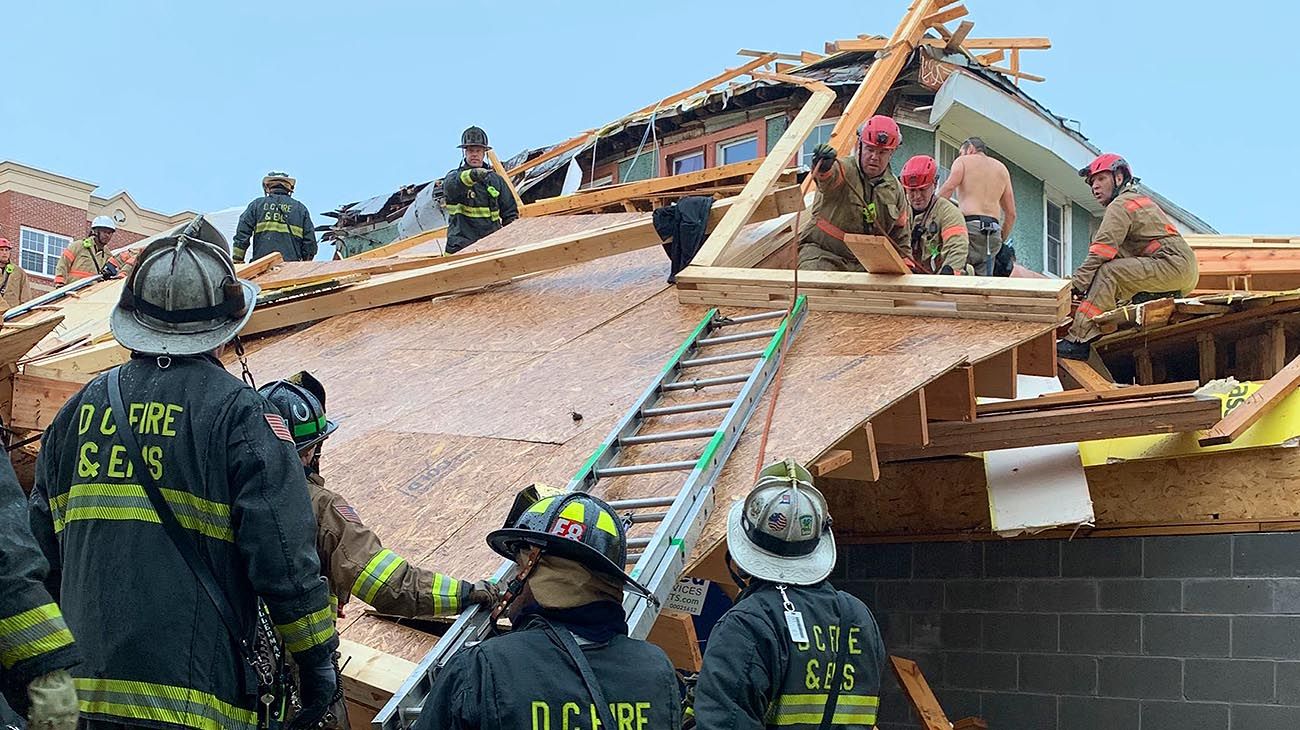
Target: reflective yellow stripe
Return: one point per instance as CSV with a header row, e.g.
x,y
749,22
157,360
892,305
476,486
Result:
x,y
311,630
493,192
376,574
128,502
466,179
446,595
574,511
278,227
605,523
161,703
33,632
807,709
470,211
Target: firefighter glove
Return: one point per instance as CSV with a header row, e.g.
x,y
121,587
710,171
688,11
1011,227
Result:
x,y
319,689
484,593
946,270
54,702
110,270
823,157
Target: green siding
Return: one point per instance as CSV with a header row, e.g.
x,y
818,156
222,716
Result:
x,y
1080,234
1027,236
775,128
642,168
915,142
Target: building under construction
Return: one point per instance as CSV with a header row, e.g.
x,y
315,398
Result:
x,y
1045,544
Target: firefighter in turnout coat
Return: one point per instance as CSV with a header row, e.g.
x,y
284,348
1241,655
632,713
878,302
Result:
x,y
15,288
569,662
1137,252
90,257
856,193
478,200
276,222
940,244
36,647
793,652
157,652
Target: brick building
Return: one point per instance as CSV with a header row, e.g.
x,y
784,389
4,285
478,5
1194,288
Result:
x,y
42,212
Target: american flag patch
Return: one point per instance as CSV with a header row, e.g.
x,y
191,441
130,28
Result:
x,y
776,521
346,512
277,425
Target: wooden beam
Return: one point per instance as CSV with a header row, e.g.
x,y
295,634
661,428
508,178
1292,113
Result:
x,y
1275,354
1254,407
944,16
919,694
970,44
707,84
552,153
1206,357
1063,425
1084,375
862,465
259,266
1015,73
904,423
995,377
1083,397
990,58
877,254
1038,356
967,297
674,632
759,54
958,37
1015,65
951,397
830,461
510,185
370,677
1142,367
714,251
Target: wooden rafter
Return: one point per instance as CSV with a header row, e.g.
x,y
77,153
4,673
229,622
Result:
x,y
1255,407
971,44
945,16
957,40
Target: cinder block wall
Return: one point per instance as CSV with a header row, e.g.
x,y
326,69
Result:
x,y
1153,633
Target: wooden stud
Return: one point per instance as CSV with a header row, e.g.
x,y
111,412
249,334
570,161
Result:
x,y
1206,357
877,254
260,265
935,20
904,423
1038,356
1275,354
370,677
1255,407
1252,357
952,396
1016,74
1084,397
674,632
990,58
995,377
642,188
1142,366
714,251
832,460
1015,65
862,466
959,37
919,694
510,185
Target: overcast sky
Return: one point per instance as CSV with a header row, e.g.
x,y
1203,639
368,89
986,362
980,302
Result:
x,y
186,104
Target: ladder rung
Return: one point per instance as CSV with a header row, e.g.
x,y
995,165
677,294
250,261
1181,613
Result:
x,y
738,337
699,383
618,471
639,518
715,359
708,405
775,314
632,557
640,542
639,502
655,438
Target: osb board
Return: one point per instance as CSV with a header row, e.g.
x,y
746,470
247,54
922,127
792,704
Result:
x,y
531,230
950,496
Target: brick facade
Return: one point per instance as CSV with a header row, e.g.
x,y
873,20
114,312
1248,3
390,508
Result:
x,y
19,210
1116,633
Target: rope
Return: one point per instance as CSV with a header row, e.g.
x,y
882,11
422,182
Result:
x,y
780,367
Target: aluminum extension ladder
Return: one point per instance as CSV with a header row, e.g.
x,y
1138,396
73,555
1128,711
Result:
x,y
659,560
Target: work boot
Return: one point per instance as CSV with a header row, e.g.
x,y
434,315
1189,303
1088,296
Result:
x,y
1073,350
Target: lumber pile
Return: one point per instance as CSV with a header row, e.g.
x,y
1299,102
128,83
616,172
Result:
x,y
1030,300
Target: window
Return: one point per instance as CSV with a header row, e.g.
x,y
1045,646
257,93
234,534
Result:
x,y
1056,237
641,168
945,155
821,134
738,150
38,251
689,162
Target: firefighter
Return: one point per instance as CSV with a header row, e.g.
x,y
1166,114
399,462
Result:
x,y
352,558
793,652
276,222
14,285
90,257
36,647
569,662
156,612
940,244
1137,252
478,201
856,193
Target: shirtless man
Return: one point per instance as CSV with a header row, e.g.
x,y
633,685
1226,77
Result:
x,y
983,188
